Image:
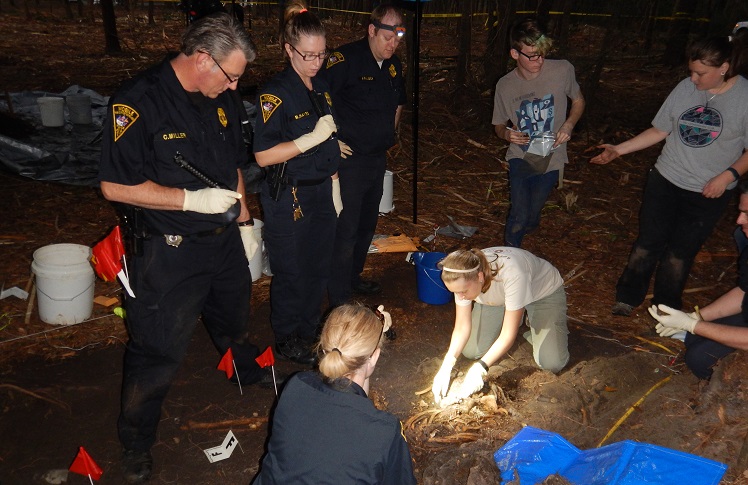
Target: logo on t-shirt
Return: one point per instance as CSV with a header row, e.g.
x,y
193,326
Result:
x,y
124,117
699,126
536,116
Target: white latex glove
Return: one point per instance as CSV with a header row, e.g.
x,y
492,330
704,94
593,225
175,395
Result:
x,y
210,200
345,150
250,241
387,317
337,201
474,380
672,321
322,130
441,381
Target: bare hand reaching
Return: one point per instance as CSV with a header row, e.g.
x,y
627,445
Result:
x,y
608,155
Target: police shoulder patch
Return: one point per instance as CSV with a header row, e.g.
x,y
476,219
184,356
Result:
x,y
393,71
123,117
334,58
269,104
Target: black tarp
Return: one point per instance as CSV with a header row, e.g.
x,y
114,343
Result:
x,y
69,154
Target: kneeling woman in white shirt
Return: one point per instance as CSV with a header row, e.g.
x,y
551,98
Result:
x,y
493,288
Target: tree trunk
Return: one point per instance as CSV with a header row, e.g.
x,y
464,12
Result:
x,y
68,9
543,13
463,57
680,27
589,88
110,27
496,55
281,12
562,35
649,30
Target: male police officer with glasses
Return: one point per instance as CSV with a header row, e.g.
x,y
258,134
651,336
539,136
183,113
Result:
x,y
368,93
195,236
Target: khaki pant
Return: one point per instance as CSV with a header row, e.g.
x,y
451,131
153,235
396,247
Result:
x,y
548,330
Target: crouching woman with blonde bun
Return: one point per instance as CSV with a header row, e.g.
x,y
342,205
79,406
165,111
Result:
x,y
325,428
493,288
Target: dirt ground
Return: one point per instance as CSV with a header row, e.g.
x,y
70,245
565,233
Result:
x,y
59,386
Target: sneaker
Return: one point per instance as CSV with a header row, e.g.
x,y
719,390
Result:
x,y
367,287
137,466
296,350
622,309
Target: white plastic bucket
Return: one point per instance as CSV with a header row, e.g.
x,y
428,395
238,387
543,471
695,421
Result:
x,y
52,112
79,109
64,283
255,264
385,203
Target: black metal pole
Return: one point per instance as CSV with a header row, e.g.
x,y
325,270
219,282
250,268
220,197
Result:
x,y
415,56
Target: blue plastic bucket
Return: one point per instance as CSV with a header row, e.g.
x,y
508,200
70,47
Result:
x,y
429,282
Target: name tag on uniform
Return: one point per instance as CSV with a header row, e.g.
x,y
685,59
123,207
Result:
x,y
367,78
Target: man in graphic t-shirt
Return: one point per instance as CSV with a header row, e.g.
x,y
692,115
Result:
x,y
531,101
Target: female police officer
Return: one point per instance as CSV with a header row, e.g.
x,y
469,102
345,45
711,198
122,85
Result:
x,y
325,428
293,137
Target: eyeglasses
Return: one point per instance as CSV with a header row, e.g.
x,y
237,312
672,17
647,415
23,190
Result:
x,y
311,57
381,319
531,57
399,30
228,78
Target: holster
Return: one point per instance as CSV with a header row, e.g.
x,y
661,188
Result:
x,y
276,175
134,230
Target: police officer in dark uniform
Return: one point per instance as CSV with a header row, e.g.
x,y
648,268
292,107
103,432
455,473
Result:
x,y
293,139
191,234
368,92
325,428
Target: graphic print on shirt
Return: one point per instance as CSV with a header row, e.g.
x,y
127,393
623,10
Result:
x,y
536,116
699,126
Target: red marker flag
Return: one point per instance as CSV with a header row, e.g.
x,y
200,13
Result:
x,y
266,358
84,465
227,363
107,255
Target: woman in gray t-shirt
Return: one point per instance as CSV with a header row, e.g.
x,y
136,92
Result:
x,y
705,127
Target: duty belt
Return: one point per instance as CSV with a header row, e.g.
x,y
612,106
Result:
x,y
304,183
176,239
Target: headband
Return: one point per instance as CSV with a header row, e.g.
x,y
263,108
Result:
x,y
452,270
399,30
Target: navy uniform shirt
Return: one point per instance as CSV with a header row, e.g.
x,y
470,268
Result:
x,y
149,120
328,436
365,96
743,281
286,112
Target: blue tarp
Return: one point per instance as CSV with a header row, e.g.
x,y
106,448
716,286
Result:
x,y
533,454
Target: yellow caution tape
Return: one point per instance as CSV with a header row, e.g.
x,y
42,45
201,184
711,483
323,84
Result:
x,y
631,410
